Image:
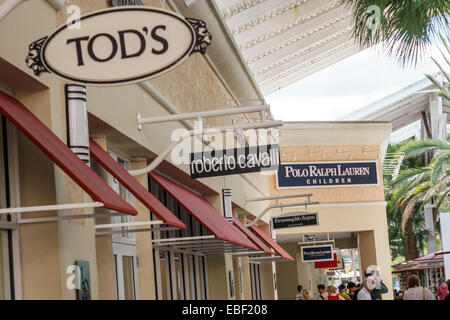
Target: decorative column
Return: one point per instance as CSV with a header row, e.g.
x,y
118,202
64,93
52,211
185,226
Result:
x,y
144,241
437,133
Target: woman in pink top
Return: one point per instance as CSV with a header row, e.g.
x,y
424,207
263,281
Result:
x,y
442,291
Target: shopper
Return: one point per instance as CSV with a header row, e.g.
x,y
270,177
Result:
x,y
448,286
442,291
365,292
322,293
343,292
416,291
298,296
332,294
352,290
380,287
306,295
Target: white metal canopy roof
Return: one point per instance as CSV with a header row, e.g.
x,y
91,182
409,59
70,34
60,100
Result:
x,y
283,41
402,107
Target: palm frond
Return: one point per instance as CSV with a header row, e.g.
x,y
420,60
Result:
x,y
406,181
419,147
439,166
406,27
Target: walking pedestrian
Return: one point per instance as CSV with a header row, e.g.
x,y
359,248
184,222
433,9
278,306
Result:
x,y
306,295
380,287
365,292
448,286
416,291
343,292
332,295
322,293
298,296
352,290
442,291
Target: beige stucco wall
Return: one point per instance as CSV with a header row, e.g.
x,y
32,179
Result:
x,y
144,242
107,285
39,252
287,274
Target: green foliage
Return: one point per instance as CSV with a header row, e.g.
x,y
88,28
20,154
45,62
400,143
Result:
x,y
406,27
444,89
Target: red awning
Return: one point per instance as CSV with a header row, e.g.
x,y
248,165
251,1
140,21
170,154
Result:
x,y
137,189
60,154
205,213
272,243
251,236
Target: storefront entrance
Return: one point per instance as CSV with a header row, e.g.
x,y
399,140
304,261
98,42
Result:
x,y
179,275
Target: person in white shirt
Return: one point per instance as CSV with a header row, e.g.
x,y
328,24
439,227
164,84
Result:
x,y
416,291
364,293
299,293
322,292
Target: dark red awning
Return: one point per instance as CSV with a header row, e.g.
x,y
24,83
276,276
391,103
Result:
x,y
60,154
205,213
137,189
272,243
251,236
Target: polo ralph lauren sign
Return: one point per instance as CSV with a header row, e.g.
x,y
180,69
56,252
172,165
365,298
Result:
x,y
234,161
119,46
326,174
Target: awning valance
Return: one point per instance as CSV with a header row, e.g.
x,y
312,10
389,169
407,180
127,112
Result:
x,y
278,249
137,189
204,213
60,154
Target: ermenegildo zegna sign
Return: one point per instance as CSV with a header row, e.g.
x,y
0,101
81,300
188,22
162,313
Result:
x,y
298,220
235,161
317,253
119,46
325,174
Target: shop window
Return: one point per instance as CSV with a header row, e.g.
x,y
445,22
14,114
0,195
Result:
x,y
126,237
125,262
178,275
124,243
255,277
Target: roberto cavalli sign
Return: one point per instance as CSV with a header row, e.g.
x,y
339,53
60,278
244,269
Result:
x,y
325,174
295,220
317,253
118,46
235,161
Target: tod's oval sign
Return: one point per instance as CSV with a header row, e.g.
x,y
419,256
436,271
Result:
x,y
119,46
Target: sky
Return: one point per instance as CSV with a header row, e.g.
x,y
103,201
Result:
x,y
346,86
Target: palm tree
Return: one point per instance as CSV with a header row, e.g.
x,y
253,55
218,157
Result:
x,y
404,27
418,184
414,187
406,236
